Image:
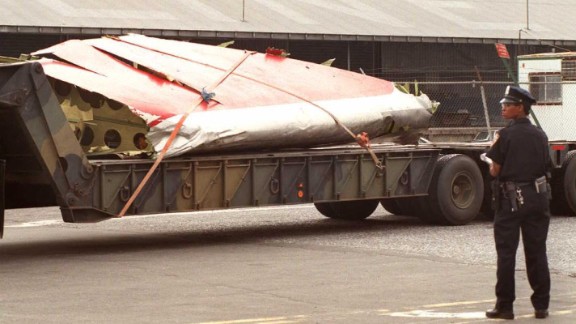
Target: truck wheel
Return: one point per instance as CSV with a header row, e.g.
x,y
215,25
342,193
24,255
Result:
x,y
564,188
456,191
405,206
347,210
391,205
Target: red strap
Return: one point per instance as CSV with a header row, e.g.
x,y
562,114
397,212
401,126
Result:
x,y
162,153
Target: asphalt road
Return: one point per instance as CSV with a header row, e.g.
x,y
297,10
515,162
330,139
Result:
x,y
266,265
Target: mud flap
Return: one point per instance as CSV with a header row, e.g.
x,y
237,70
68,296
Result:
x,y
2,169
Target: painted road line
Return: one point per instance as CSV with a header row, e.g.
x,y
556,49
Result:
x,y
468,317
552,313
433,314
266,320
564,312
470,302
39,223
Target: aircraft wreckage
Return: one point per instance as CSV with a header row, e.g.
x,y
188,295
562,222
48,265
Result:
x,y
138,93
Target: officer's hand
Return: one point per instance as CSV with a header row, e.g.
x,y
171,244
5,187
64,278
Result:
x,y
485,159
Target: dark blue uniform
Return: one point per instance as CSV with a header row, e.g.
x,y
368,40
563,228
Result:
x,y
522,152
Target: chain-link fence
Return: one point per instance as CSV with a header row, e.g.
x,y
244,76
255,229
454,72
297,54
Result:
x,y
470,107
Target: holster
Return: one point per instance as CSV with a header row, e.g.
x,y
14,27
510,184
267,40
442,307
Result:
x,y
509,192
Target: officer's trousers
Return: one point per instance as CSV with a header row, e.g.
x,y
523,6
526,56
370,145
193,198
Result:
x,y
532,220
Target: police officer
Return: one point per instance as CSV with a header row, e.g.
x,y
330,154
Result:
x,y
520,161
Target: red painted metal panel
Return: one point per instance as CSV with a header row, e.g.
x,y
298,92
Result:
x,y
103,66
150,105
312,81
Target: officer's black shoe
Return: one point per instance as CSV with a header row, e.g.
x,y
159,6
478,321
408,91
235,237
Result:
x,y
502,314
541,313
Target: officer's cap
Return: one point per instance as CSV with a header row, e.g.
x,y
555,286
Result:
x,y
517,95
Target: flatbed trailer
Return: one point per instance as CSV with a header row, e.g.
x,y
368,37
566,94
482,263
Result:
x,y
43,164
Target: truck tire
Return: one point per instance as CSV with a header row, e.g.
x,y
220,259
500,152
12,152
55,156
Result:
x,y
456,191
347,210
405,206
391,205
564,187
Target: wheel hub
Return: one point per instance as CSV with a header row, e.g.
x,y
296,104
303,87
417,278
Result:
x,y
462,191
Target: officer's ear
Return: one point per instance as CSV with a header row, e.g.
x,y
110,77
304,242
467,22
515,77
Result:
x,y
527,107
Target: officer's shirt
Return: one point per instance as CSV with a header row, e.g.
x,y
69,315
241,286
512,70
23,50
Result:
x,y
522,151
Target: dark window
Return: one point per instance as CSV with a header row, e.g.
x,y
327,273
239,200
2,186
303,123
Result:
x,y
569,70
546,88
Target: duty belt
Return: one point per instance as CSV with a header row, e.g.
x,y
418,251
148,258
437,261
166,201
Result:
x,y
513,193
521,184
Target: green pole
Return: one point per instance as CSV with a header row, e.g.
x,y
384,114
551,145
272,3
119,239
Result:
x,y
511,74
